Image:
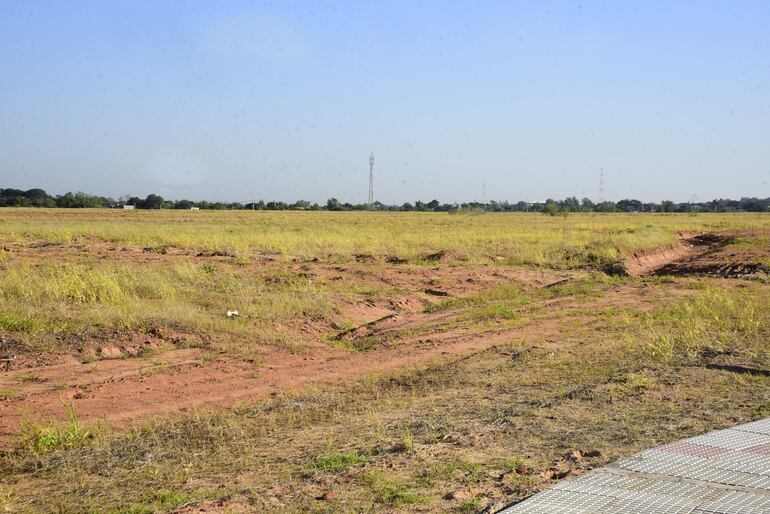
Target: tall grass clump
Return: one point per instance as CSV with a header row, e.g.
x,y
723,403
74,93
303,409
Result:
x,y
717,321
56,298
69,283
15,322
40,438
46,299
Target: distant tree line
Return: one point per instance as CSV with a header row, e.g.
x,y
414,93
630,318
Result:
x,y
39,198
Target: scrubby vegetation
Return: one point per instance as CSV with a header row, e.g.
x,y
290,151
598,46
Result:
x,y
39,198
716,321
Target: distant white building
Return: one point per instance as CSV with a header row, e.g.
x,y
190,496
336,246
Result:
x,y
129,207
195,208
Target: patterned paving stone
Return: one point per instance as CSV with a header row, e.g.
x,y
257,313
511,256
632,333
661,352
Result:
x,y
722,472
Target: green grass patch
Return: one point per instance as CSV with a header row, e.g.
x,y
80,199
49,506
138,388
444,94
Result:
x,y
637,382
390,492
47,436
11,322
750,242
336,461
30,378
509,465
159,501
470,506
761,411
8,393
447,469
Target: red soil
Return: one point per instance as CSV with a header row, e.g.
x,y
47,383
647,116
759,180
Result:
x,y
130,389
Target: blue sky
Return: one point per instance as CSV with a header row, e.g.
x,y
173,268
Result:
x,y
503,100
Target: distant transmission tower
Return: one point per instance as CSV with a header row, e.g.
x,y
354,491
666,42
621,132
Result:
x,y
601,187
692,203
371,178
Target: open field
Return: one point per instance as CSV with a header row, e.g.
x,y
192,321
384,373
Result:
x,y
379,361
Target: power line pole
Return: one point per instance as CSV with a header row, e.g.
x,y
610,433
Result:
x,y
371,179
601,187
692,203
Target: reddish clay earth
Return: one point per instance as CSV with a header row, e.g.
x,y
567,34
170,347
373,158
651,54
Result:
x,y
123,387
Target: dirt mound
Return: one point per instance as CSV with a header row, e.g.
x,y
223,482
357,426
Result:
x,y
407,304
363,312
364,257
693,254
444,256
715,256
714,267
366,329
15,355
712,239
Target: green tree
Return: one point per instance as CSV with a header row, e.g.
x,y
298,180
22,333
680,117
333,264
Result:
x,y
332,204
152,201
551,208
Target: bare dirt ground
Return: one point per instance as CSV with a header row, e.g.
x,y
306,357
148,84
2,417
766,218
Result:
x,y
119,382
122,386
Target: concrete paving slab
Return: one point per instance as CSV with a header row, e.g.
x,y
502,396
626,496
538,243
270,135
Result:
x,y
721,472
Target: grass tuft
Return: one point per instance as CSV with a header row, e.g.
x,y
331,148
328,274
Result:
x,y
336,461
41,438
389,491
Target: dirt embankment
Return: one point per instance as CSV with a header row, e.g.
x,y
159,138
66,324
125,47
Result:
x,y
700,254
647,261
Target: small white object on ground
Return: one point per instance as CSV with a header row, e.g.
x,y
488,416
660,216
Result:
x,y
232,314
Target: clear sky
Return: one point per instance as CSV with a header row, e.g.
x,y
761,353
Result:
x,y
506,100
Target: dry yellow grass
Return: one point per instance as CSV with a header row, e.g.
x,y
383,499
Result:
x,y
594,362
526,238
